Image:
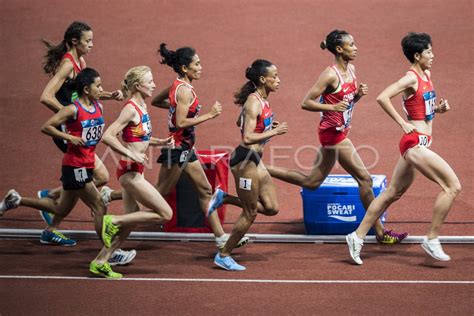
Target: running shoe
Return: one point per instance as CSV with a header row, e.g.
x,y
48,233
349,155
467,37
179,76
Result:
x,y
103,270
216,201
121,257
9,202
47,217
109,230
355,246
390,237
105,194
56,238
220,241
434,249
227,263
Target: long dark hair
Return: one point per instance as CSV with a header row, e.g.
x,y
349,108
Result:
x,y
253,73
334,39
176,59
55,53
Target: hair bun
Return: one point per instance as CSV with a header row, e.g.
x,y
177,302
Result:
x,y
248,73
323,45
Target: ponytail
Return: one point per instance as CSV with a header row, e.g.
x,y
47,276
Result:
x,y
253,73
54,54
176,59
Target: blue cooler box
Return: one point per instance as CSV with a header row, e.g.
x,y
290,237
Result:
x,y
335,207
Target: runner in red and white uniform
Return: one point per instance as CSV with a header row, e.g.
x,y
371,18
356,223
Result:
x,y
255,188
184,115
334,95
419,103
135,125
85,125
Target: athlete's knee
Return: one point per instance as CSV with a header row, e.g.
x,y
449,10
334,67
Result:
x,y
272,211
251,212
365,181
167,214
101,179
454,189
99,209
393,194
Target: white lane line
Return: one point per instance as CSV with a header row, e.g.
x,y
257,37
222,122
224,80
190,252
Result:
x,y
46,277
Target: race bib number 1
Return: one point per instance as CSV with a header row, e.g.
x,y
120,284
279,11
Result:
x,y
430,101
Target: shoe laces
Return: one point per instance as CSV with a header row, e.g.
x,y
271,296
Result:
x,y
106,268
60,235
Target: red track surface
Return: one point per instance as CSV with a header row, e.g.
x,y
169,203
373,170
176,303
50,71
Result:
x,y
228,37
178,260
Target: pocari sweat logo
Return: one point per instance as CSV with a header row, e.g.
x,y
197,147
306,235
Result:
x,y
342,212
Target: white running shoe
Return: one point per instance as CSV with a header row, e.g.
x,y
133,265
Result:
x,y
434,249
9,202
220,241
121,257
355,246
105,194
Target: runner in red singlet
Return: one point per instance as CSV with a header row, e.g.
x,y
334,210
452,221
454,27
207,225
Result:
x,y
334,95
419,103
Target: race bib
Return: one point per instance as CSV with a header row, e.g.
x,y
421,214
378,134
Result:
x,y
184,156
267,123
171,113
245,184
146,122
430,101
424,141
80,174
92,131
347,114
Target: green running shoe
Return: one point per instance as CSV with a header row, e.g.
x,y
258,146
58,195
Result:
x,y
109,230
103,270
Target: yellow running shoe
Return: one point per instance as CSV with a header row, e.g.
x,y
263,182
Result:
x,y
104,270
109,230
390,237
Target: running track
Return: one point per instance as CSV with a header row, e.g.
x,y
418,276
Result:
x,y
228,36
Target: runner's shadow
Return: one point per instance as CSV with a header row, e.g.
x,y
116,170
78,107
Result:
x,y
434,264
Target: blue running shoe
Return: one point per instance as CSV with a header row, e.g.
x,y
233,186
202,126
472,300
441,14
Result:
x,y
227,263
216,201
56,238
47,217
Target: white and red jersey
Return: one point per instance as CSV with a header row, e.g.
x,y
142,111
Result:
x,y
345,91
264,120
140,132
88,125
183,137
421,105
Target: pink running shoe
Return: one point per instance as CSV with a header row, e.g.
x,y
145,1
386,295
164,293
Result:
x,y
390,237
